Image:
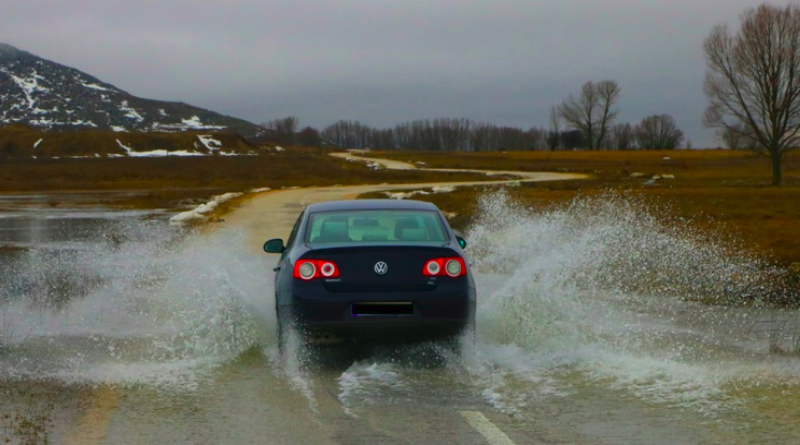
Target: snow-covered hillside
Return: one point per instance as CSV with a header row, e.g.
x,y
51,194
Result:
x,y
50,96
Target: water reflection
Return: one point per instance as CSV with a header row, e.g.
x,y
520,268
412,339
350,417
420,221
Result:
x,y
38,230
60,221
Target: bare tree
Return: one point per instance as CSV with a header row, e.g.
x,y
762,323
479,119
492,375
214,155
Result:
x,y
308,137
554,136
580,113
346,134
738,139
658,132
283,129
608,92
753,80
592,112
621,136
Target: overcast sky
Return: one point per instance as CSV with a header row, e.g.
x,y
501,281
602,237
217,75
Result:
x,y
384,62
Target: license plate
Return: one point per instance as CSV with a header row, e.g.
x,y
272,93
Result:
x,y
383,308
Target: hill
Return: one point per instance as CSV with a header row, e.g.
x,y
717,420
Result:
x,y
50,96
20,141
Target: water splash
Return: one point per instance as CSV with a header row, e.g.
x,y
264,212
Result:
x,y
137,305
608,289
601,292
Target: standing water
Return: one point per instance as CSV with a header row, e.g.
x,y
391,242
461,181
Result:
x,y
90,295
597,301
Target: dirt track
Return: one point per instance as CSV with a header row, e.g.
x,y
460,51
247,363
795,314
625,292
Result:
x,y
271,214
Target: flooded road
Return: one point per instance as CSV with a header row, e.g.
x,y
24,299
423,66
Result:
x,y
587,333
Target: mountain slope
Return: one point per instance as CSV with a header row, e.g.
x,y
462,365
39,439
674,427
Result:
x,y
51,96
20,141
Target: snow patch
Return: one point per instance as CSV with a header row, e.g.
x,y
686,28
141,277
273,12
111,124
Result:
x,y
195,123
38,110
127,149
406,195
94,86
49,123
163,153
118,129
36,144
155,153
210,143
28,85
199,213
130,113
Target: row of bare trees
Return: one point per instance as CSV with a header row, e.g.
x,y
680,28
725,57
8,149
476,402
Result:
x,y
657,132
654,132
435,135
582,122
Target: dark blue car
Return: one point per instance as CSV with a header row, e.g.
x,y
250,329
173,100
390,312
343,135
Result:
x,y
373,270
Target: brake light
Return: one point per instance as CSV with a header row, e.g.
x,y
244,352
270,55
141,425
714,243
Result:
x,y
305,269
433,267
328,269
452,267
309,269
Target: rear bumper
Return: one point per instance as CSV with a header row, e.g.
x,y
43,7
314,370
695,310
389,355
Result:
x,y
431,317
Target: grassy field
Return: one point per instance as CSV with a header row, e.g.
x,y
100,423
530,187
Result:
x,y
167,181
723,191
718,190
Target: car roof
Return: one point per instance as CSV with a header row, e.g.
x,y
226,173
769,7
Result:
x,y
371,204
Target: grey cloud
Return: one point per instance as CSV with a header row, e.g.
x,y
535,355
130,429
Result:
x,y
383,62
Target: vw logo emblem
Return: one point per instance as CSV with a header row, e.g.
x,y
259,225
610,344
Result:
x,y
381,268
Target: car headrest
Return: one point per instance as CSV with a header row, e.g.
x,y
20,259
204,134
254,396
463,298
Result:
x,y
334,231
404,223
414,235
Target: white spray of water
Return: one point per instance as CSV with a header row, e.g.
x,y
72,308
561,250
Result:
x,y
137,306
604,289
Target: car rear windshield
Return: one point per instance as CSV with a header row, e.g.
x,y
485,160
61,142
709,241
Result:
x,y
375,226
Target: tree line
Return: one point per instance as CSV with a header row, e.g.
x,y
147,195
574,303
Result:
x,y
449,134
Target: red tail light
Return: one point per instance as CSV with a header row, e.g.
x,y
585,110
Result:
x,y
306,269
433,267
452,267
309,269
328,269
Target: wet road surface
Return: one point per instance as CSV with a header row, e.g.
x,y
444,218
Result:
x,y
178,346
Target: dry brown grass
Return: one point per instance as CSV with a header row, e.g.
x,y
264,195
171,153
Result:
x,y
719,190
170,180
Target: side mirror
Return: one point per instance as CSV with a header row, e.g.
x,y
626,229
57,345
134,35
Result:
x,y
274,246
460,237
